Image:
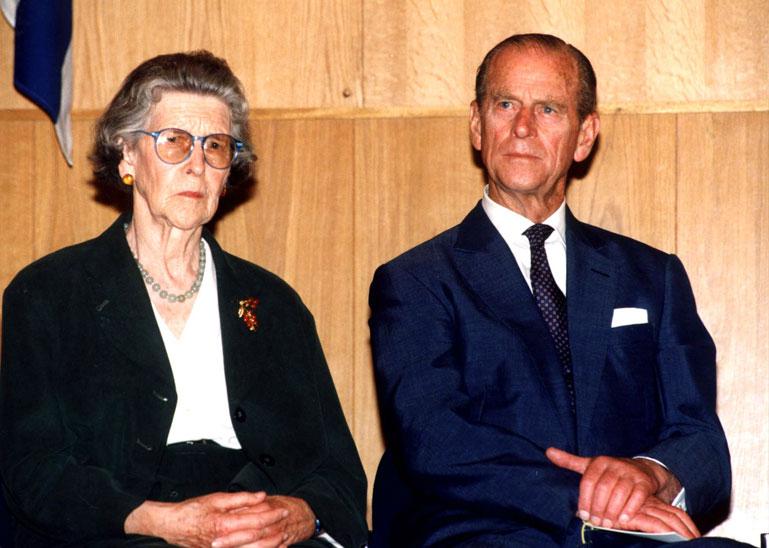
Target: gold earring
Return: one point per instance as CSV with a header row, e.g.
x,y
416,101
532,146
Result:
x,y
224,191
128,179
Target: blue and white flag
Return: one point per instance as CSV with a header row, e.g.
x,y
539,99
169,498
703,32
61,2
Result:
x,y
42,67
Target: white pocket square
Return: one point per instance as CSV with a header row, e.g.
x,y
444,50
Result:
x,y
629,316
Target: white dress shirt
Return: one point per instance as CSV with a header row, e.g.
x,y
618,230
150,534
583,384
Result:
x,y
511,226
197,361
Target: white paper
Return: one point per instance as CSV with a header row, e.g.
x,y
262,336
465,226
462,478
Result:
x,y
660,537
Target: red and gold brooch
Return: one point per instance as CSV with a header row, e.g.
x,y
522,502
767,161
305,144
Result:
x,y
247,312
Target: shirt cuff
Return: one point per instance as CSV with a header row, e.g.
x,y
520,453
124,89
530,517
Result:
x,y
329,539
679,501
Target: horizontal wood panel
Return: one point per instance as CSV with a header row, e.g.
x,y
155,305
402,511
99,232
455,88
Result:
x,y
375,53
288,53
643,52
337,197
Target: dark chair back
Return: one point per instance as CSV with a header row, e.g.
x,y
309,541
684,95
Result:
x,y
6,525
391,504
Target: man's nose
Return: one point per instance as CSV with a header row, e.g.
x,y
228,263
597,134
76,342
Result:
x,y
523,124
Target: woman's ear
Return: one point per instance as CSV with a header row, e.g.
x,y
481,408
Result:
x,y
126,164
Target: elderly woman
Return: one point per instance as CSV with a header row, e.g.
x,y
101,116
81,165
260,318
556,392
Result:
x,y
156,389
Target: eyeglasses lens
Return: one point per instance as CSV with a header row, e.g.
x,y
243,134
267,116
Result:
x,y
174,146
219,149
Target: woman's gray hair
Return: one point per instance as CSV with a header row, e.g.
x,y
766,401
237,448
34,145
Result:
x,y
198,72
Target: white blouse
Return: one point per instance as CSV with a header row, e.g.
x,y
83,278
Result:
x,y
197,361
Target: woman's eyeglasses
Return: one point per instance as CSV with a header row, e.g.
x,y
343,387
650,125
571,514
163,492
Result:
x,y
173,146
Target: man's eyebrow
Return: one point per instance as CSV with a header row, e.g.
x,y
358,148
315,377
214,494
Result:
x,y
502,94
555,101
550,99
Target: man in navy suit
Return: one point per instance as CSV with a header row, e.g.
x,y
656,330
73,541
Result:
x,y
506,426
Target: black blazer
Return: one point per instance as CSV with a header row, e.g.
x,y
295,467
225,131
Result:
x,y
87,394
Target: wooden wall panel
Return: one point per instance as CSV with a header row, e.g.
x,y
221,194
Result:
x,y
413,53
287,53
631,179
16,231
644,53
9,98
299,224
414,179
46,205
64,210
377,53
723,238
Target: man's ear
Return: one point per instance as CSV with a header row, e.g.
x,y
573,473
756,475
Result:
x,y
588,133
475,125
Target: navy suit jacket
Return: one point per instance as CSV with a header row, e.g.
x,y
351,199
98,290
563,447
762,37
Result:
x,y
87,396
472,392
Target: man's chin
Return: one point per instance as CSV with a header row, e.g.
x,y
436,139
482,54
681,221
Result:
x,y
521,185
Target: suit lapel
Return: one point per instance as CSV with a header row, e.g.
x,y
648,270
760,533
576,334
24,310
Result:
x,y
489,269
122,306
590,289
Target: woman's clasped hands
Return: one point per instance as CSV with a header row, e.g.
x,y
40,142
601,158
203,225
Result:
x,y
226,520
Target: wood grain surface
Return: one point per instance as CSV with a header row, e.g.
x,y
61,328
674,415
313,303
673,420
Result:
x,y
723,238
360,125
420,53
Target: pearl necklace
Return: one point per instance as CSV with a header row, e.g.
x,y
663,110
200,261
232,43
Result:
x,y
150,281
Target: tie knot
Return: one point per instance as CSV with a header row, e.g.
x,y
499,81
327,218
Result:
x,y
537,234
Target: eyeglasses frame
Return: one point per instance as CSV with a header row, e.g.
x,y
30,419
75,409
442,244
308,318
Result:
x,y
202,138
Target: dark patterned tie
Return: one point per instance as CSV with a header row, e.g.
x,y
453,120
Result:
x,y
551,302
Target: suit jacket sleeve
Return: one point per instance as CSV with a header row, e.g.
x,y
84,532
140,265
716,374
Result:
x,y
691,444
450,451
64,495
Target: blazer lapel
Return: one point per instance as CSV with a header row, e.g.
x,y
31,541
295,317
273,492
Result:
x,y
122,306
243,349
490,270
125,314
590,289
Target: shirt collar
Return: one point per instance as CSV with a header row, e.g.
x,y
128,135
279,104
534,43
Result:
x,y
511,225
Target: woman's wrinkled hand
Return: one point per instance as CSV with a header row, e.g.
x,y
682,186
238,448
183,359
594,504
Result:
x,y
225,520
296,525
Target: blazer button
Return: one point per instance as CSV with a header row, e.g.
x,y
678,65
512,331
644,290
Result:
x,y
240,415
267,460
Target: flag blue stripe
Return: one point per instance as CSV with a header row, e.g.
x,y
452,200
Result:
x,y
43,34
